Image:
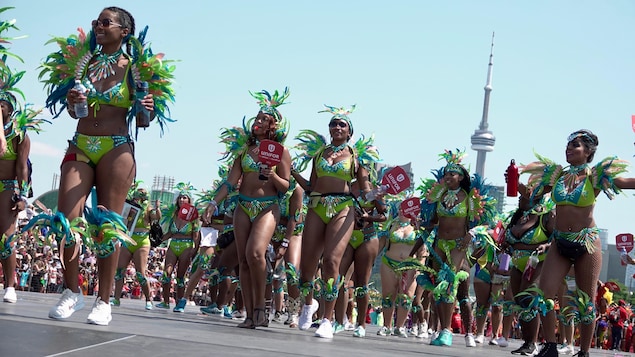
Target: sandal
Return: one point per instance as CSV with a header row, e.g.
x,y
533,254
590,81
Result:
x,y
248,323
260,318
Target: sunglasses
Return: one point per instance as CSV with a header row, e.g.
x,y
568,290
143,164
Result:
x,y
334,124
580,135
105,23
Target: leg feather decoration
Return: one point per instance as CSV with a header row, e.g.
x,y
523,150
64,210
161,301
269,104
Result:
x,y
531,303
581,308
293,278
6,245
330,288
107,229
65,233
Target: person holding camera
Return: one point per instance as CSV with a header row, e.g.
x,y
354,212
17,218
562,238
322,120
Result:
x,y
139,251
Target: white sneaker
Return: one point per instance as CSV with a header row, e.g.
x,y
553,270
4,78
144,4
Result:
x,y
100,315
306,315
469,340
359,332
433,335
424,326
566,350
349,326
401,332
325,330
384,331
493,342
414,330
502,342
68,303
423,332
10,295
479,339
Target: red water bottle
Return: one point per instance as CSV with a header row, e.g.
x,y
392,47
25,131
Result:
x,y
511,177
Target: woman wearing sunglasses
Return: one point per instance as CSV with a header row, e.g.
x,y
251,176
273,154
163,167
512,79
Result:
x,y
100,153
330,219
258,205
574,190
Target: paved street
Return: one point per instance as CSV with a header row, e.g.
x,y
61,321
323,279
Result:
x,y
27,331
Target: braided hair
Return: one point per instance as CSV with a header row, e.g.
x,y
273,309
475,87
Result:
x,y
126,21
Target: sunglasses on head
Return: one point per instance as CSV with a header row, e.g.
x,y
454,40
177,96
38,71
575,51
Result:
x,y
580,135
105,23
341,124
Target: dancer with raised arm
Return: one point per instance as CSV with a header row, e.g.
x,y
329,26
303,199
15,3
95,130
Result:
x,y
261,188
574,189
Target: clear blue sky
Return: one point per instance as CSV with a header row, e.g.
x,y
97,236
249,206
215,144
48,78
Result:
x,y
415,69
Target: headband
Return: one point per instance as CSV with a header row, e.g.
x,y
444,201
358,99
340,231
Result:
x,y
341,114
453,160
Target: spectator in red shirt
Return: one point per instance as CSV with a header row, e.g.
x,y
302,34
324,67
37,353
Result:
x,y
617,317
456,321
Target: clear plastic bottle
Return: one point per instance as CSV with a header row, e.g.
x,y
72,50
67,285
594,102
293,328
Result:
x,y
372,195
81,107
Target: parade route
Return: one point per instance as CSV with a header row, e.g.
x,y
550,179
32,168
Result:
x,y
27,331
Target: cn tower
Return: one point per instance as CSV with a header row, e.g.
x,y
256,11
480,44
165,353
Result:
x,y
483,140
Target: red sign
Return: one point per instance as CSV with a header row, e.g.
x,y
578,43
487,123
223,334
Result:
x,y
187,212
270,152
411,207
624,240
633,122
397,180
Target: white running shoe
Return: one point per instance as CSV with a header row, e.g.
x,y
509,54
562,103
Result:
x,y
10,295
502,342
348,326
68,303
359,332
306,315
149,305
469,340
423,332
384,331
401,332
493,342
325,330
100,315
479,339
566,350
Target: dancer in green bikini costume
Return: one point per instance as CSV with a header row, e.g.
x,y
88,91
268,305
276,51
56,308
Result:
x,y
331,216
574,190
110,61
258,210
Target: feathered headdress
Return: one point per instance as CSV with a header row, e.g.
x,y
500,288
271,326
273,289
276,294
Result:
x,y
453,160
136,191
184,189
269,105
340,113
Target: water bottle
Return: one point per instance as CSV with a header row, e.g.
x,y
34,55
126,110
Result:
x,y
511,177
81,107
142,114
372,195
532,263
624,256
